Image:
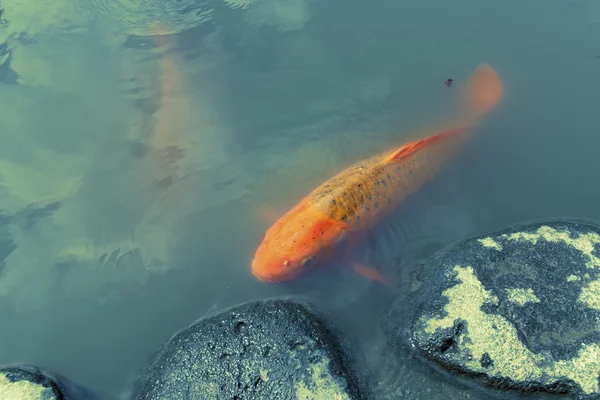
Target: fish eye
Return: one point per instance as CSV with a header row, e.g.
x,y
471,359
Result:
x,y
306,261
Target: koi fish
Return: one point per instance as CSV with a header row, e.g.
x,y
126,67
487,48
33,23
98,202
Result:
x,y
346,206
169,137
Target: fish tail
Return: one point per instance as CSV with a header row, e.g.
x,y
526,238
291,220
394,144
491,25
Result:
x,y
482,93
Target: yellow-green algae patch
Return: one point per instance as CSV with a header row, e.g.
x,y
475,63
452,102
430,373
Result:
x,y
590,295
573,278
264,375
586,243
521,296
583,369
495,335
23,390
320,385
490,243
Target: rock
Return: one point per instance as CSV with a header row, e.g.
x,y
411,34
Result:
x,y
268,349
24,382
517,309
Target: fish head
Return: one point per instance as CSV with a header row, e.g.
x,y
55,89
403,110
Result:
x,y
297,242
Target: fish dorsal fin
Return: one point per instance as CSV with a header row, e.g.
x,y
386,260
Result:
x,y
412,147
481,94
406,150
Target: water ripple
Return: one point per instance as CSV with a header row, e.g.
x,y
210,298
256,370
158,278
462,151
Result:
x,y
135,17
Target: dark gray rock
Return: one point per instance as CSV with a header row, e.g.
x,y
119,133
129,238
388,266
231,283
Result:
x,y
517,309
268,349
28,382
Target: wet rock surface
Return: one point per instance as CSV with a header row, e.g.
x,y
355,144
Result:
x,y
268,349
517,309
26,382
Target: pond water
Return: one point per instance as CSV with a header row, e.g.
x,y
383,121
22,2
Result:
x,y
143,145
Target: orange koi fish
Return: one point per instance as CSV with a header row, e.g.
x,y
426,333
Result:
x,y
356,199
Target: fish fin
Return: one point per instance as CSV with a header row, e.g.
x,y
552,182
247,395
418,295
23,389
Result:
x,y
482,92
412,147
368,272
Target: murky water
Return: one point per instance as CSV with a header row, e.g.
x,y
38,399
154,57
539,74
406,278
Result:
x,y
135,172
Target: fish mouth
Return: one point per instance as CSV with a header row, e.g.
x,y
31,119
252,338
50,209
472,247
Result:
x,y
259,273
269,276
